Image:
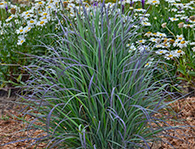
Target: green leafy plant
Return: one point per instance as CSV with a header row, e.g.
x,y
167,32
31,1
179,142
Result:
x,y
20,35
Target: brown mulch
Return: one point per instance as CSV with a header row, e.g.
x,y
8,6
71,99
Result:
x,y
181,114
10,128
13,129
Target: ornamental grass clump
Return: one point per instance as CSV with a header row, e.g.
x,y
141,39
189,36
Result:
x,y
91,92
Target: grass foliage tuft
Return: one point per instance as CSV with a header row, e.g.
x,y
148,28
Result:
x,y
91,92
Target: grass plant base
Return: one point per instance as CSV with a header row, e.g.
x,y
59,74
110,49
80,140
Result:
x,y
10,127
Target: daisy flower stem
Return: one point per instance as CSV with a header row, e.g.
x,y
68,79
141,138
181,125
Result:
x,y
182,31
170,32
188,35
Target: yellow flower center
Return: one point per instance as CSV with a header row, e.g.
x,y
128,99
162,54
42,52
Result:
x,y
31,21
179,51
161,52
21,41
174,18
154,1
21,30
170,55
165,40
40,3
49,7
140,40
45,14
180,38
10,17
1,3
182,42
26,12
41,22
147,64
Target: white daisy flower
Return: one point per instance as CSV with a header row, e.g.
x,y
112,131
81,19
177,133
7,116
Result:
x,y
71,6
166,45
179,52
149,63
188,25
170,55
160,52
132,48
173,19
50,7
128,45
41,22
173,10
153,2
192,43
27,16
140,10
25,13
31,22
45,18
182,11
9,18
159,46
40,3
184,17
3,4
179,38
193,49
27,29
183,44
148,34
20,30
142,48
146,23
156,40
141,41
21,40
161,34
170,1
178,15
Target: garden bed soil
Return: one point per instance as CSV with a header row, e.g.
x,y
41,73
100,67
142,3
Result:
x,y
10,126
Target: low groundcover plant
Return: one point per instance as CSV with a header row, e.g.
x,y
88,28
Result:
x,y
91,92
